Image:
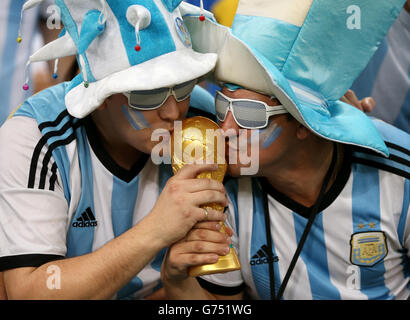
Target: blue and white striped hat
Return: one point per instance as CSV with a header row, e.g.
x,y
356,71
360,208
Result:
x,y
307,53
122,45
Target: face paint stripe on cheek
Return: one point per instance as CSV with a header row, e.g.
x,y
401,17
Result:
x,y
269,135
135,118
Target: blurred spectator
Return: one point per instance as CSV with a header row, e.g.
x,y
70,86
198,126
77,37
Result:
x,y
14,56
387,76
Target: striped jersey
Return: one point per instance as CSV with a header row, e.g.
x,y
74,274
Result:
x,y
62,195
358,246
387,76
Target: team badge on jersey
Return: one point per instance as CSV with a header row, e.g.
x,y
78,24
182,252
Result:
x,y
367,248
183,33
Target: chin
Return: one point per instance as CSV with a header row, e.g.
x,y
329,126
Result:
x,y
249,167
145,147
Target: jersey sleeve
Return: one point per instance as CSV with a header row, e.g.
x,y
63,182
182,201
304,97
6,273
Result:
x,y
33,209
229,283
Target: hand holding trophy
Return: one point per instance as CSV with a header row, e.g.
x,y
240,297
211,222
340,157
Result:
x,y
196,141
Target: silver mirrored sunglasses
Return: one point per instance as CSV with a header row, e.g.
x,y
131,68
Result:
x,y
248,114
146,100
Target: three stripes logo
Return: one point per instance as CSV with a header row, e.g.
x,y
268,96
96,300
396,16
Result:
x,y
57,133
262,256
86,220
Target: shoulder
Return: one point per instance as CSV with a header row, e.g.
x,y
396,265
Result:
x,y
18,132
18,139
49,112
392,135
32,138
46,105
398,143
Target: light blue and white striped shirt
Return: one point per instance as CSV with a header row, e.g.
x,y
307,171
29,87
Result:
x,y
63,195
358,247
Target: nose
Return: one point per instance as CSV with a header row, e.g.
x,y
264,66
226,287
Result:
x,y
169,111
229,126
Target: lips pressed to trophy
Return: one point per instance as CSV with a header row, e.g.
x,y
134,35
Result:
x,y
196,141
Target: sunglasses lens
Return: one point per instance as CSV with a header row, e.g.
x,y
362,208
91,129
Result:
x,y
184,90
148,99
249,114
221,105
152,99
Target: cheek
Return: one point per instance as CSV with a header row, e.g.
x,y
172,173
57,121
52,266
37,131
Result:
x,y
135,118
269,135
183,107
141,140
266,157
139,130
262,139
256,143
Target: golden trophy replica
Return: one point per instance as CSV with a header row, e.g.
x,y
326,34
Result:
x,y
196,140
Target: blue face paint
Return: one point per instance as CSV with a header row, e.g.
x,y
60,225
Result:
x,y
232,86
135,118
268,135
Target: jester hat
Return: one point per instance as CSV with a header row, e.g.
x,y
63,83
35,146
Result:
x,y
122,45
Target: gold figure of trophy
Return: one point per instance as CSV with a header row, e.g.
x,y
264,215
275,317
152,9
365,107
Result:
x,y
196,140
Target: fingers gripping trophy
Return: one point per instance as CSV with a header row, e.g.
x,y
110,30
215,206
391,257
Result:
x,y
196,142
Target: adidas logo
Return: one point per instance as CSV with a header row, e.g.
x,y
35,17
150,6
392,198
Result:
x,y
261,257
86,220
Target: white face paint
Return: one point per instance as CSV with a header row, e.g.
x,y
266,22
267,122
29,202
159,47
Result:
x,y
135,118
268,135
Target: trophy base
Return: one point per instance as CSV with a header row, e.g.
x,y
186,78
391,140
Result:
x,y
229,262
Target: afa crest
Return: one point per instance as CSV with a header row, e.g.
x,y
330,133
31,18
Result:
x,y
183,33
368,248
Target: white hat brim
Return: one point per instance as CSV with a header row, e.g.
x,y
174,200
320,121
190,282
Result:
x,y
166,70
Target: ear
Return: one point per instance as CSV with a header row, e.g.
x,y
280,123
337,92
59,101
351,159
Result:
x,y
302,132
